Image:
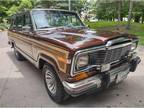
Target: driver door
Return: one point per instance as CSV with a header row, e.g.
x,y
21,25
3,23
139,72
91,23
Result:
x,y
25,31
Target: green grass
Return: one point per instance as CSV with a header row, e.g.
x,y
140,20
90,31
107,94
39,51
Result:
x,y
101,24
136,28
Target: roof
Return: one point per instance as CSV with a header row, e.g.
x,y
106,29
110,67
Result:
x,y
53,9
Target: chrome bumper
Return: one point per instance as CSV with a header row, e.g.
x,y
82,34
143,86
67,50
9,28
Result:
x,y
83,86
96,82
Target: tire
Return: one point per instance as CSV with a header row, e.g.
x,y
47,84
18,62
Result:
x,y
18,56
53,85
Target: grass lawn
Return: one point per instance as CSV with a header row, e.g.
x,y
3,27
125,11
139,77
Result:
x,y
136,28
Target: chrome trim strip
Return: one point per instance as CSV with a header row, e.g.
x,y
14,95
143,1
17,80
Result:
x,y
119,46
89,67
33,22
90,50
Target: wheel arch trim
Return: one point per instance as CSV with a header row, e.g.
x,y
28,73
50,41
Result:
x,y
50,61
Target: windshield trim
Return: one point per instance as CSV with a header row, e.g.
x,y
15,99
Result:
x,y
43,29
70,12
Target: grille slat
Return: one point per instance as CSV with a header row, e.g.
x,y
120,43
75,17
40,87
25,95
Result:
x,y
108,56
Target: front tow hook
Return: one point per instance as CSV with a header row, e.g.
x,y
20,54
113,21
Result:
x,y
133,63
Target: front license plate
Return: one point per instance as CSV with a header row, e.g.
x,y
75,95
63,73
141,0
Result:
x,y
121,76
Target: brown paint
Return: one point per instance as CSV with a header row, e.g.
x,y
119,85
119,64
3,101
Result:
x,y
76,39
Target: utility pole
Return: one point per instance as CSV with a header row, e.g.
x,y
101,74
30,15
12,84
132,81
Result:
x,y
69,2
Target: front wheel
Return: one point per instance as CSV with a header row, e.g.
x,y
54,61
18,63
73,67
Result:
x,y
53,84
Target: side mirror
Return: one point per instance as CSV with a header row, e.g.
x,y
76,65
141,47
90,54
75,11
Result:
x,y
19,26
26,29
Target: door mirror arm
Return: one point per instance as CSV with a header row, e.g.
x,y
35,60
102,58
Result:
x,y
26,29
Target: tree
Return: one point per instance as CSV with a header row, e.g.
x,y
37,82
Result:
x,y
10,7
138,11
130,13
106,10
46,3
76,5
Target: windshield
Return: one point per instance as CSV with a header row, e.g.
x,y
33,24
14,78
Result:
x,y
51,18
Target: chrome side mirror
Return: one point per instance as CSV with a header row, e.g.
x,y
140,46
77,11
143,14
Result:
x,y
26,29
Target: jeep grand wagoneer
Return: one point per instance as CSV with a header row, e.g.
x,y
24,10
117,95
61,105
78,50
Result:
x,y
73,58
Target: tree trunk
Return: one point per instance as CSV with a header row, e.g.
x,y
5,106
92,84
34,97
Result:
x,y
142,18
119,10
130,13
69,3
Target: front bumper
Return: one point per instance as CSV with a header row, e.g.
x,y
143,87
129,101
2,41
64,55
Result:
x,y
102,80
81,87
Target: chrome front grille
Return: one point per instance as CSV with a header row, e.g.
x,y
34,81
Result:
x,y
109,55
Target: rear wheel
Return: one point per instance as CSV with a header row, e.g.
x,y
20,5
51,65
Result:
x,y
18,56
53,85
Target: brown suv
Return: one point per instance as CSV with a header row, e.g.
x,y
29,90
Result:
x,y
74,59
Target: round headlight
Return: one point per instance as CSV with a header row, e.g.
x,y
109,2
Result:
x,y
82,61
133,46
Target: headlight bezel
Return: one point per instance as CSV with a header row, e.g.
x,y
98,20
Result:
x,y
85,58
73,70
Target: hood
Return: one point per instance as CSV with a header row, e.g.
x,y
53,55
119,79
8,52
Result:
x,y
75,39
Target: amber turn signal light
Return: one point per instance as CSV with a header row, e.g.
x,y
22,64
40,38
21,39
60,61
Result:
x,y
81,76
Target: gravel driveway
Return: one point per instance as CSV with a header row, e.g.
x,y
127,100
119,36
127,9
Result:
x,y
21,84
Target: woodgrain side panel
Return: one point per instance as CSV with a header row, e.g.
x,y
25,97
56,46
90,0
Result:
x,y
35,48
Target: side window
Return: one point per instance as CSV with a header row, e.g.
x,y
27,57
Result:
x,y
21,23
27,20
19,20
27,25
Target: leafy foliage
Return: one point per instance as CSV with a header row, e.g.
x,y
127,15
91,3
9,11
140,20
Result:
x,y
108,10
10,7
4,26
76,5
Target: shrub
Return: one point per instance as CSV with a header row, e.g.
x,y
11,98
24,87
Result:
x,y
4,26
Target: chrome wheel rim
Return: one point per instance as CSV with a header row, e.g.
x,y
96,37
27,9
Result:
x,y
50,81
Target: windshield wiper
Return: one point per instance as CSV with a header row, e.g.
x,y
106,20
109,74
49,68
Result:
x,y
77,27
44,27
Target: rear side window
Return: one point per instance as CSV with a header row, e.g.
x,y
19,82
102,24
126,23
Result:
x,y
17,22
